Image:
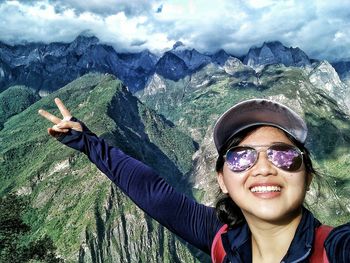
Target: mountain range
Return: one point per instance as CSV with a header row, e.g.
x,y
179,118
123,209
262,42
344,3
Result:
x,y
160,110
47,67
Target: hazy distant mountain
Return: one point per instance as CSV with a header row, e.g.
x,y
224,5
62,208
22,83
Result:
x,y
180,62
274,53
46,68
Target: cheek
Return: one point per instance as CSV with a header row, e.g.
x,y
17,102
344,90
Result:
x,y
296,186
234,182
298,180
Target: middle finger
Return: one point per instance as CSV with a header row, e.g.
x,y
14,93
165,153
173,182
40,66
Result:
x,y
65,113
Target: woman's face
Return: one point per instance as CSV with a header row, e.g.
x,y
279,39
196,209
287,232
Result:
x,y
264,191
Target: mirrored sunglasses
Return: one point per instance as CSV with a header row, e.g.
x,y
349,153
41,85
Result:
x,y
284,156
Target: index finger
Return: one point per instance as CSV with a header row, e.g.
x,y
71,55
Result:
x,y
49,116
65,113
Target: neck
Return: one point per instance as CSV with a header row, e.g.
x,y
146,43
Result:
x,y
271,241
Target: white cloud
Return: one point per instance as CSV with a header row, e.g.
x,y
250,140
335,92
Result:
x,y
320,28
260,3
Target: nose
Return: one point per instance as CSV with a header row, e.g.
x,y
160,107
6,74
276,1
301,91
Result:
x,y
263,166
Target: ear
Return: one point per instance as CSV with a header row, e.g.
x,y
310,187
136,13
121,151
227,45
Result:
x,y
220,178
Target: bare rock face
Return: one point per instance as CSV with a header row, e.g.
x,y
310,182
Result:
x,y
220,57
204,173
325,77
343,69
275,53
131,237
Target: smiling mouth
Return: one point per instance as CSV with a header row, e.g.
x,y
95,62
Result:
x,y
265,189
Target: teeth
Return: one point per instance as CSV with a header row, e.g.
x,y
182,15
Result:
x,y
264,189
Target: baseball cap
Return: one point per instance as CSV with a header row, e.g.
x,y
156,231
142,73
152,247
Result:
x,y
255,112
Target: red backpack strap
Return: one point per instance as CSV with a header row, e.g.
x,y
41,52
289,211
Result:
x,y
217,249
318,255
319,252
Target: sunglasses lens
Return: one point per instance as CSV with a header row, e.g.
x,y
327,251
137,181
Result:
x,y
240,159
285,157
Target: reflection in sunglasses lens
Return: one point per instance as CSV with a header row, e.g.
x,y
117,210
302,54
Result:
x,y
241,158
286,157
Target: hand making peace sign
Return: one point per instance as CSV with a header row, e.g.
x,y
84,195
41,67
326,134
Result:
x,y
60,125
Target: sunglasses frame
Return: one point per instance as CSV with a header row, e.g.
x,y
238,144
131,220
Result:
x,y
267,146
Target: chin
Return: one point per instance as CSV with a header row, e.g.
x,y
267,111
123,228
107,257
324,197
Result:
x,y
272,214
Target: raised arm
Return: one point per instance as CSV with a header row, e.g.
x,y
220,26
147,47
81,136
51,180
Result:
x,y
193,222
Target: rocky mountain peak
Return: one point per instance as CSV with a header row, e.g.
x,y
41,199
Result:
x,y
47,67
83,39
220,57
275,52
274,44
178,44
141,59
82,42
180,62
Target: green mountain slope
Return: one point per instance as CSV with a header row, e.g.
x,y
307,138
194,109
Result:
x,y
14,100
88,219
194,104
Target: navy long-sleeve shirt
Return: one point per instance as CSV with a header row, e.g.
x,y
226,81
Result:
x,y
194,222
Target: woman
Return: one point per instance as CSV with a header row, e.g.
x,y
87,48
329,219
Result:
x,y
263,171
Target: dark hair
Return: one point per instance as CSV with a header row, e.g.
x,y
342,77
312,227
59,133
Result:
x,y
227,210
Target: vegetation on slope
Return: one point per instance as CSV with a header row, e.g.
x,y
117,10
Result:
x,y
15,100
88,219
14,246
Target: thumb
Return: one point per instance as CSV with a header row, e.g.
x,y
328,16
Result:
x,y
70,125
53,133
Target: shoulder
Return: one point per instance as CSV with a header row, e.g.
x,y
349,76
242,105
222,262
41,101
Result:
x,y
337,244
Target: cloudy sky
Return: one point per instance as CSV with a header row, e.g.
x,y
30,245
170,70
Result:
x,y
319,27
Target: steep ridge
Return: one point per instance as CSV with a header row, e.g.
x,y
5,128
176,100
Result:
x,y
194,104
89,219
324,75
